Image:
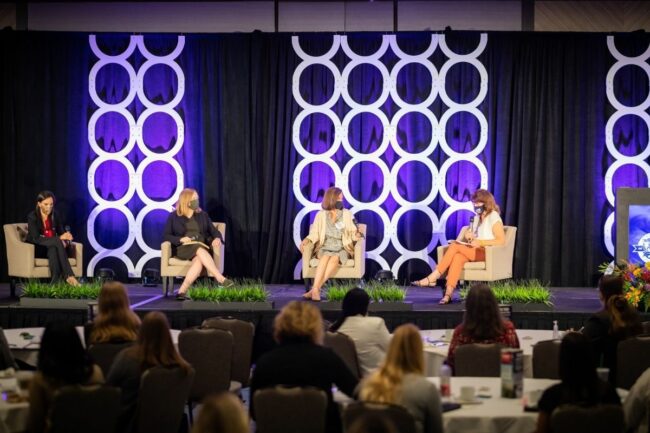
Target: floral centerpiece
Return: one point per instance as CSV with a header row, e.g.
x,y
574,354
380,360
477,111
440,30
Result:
x,y
636,282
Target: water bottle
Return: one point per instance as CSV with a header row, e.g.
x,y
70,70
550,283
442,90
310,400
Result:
x,y
556,331
445,380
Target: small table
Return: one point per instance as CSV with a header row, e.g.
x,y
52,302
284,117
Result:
x,y
436,348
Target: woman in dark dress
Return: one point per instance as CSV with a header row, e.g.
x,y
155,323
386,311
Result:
x,y
193,236
45,230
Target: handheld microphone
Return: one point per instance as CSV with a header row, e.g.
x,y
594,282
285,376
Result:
x,y
473,226
67,230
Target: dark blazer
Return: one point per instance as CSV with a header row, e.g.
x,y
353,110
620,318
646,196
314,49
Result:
x,y
303,363
35,227
175,229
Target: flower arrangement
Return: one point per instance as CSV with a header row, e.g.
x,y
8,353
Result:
x,y
636,281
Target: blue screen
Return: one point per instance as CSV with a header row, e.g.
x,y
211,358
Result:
x,y
639,234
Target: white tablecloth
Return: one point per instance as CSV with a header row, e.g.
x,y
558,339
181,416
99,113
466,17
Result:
x,y
13,416
436,348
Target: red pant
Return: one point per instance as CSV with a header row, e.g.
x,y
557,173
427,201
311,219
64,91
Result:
x,y
455,258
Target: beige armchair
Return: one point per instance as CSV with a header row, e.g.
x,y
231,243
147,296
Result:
x,y
171,267
498,260
21,261
353,268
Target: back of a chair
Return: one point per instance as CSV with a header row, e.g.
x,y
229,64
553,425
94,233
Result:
x,y
546,359
646,327
290,410
20,255
242,351
105,353
6,357
397,415
596,419
344,347
82,409
478,360
162,398
633,358
209,351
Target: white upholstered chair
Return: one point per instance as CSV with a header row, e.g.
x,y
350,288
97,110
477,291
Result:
x,y
354,268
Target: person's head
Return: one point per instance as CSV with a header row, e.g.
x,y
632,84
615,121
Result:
x,y
482,319
115,321
577,363
610,285
624,318
355,303
62,357
45,202
222,413
405,355
483,202
187,200
375,421
155,346
298,322
333,196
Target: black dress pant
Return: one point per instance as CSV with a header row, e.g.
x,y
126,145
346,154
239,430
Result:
x,y
57,256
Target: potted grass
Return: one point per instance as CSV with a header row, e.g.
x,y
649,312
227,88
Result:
x,y
245,295
523,295
384,296
58,295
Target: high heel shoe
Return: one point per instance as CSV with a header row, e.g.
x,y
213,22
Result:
x,y
429,283
446,298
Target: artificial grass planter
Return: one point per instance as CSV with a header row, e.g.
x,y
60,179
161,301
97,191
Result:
x,y
518,292
58,295
244,295
383,296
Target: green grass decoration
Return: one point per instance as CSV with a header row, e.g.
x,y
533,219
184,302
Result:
x,y
61,290
518,292
378,292
247,290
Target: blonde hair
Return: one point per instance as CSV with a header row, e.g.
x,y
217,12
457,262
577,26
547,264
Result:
x,y
484,196
183,203
330,198
405,355
222,413
115,320
298,321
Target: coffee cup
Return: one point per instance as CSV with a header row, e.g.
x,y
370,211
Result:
x,y
467,393
533,397
603,373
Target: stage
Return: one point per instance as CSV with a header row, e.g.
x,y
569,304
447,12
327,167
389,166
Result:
x,y
571,307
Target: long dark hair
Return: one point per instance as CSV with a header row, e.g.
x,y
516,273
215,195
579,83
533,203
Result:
x,y
355,302
482,319
61,356
43,195
155,346
625,321
577,368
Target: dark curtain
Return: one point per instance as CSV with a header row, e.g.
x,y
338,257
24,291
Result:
x,y
546,109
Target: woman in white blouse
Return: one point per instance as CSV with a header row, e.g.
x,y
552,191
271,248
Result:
x,y
488,232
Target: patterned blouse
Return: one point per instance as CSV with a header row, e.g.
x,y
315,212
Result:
x,y
507,339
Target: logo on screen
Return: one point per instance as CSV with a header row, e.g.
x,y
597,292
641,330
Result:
x,y
642,248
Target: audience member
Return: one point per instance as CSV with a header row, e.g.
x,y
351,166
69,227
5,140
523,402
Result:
x,y
115,322
369,334
400,380
223,413
62,361
579,384
482,323
637,403
301,360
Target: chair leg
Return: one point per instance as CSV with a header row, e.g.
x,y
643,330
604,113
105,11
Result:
x,y
12,287
190,416
308,283
164,286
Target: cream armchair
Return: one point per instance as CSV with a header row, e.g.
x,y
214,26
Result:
x,y
171,267
354,268
498,260
21,261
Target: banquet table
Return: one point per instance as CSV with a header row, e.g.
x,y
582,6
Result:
x,y
436,347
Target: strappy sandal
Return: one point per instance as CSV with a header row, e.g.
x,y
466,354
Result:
x,y
429,283
446,299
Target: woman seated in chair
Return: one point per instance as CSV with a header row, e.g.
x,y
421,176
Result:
x,y
482,323
62,361
45,230
579,385
154,348
333,234
301,360
370,335
488,232
400,380
193,236
115,322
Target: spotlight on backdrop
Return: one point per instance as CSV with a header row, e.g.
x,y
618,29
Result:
x,y
105,274
150,277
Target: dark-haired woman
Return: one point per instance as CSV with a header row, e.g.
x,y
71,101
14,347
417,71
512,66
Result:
x,y
370,335
579,385
488,232
154,348
482,323
614,323
45,230
62,361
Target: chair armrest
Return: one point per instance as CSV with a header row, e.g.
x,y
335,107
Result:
x,y
78,250
307,253
442,249
20,258
218,256
495,252
360,257
165,252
